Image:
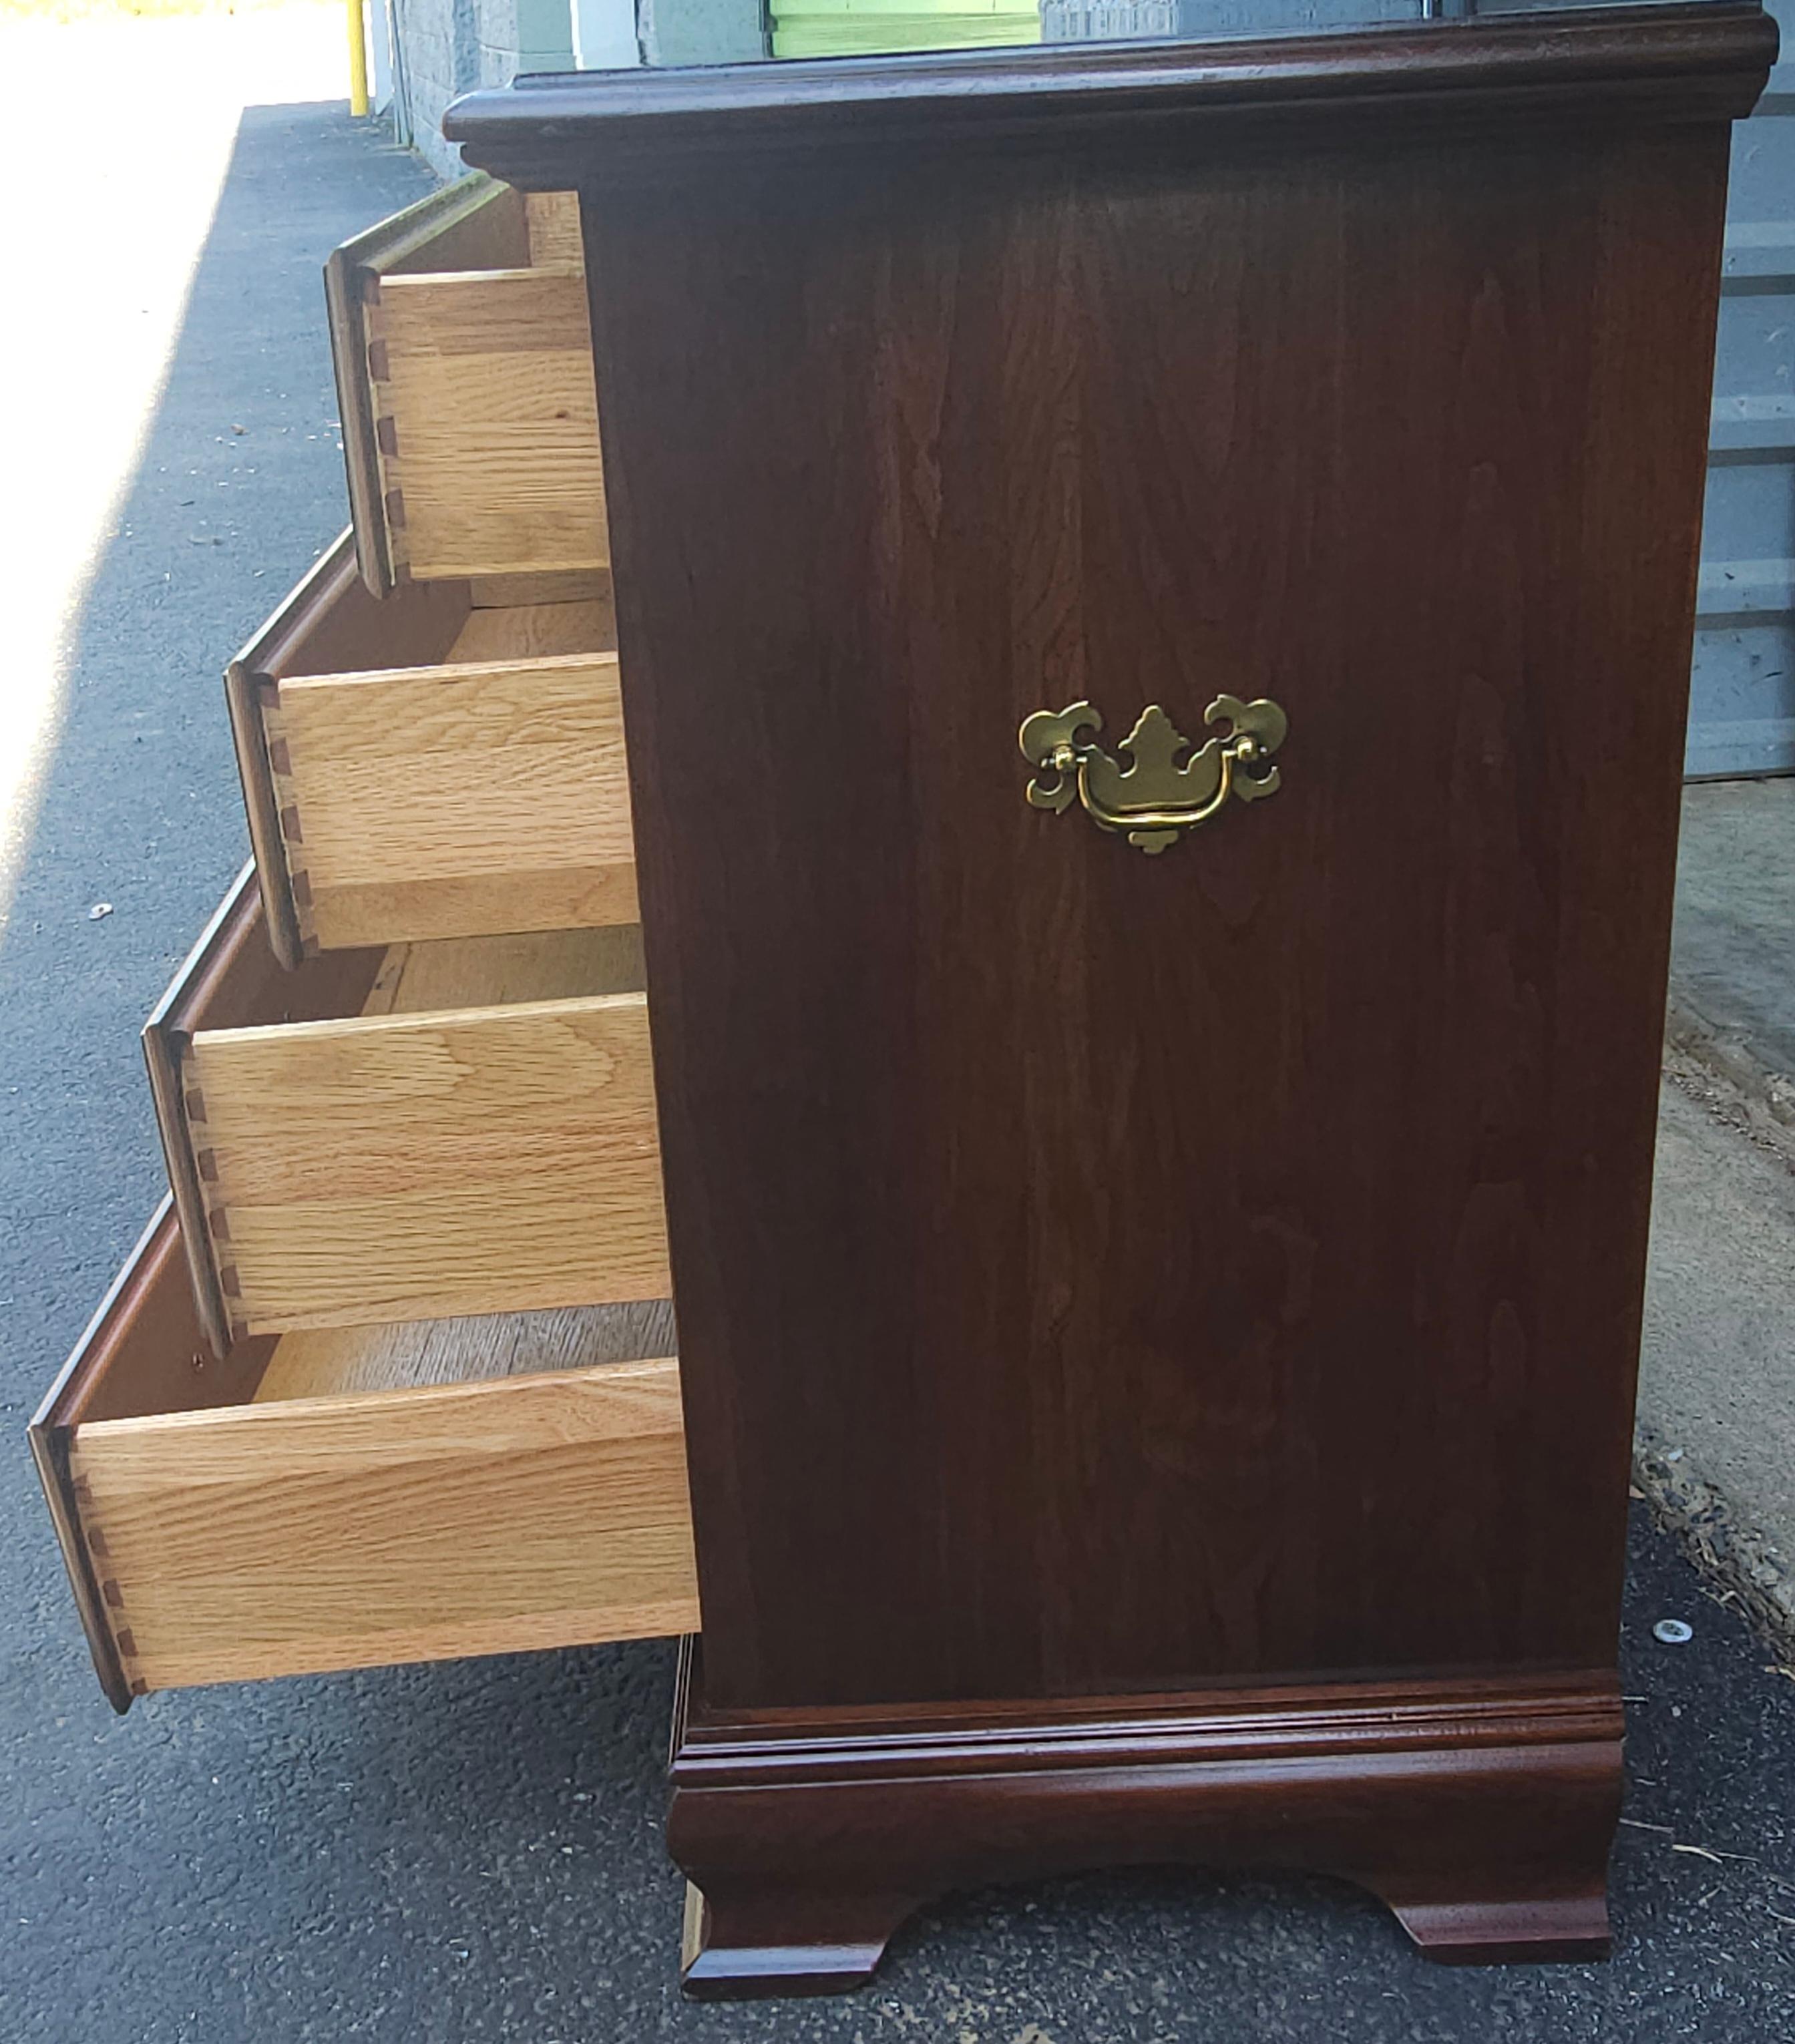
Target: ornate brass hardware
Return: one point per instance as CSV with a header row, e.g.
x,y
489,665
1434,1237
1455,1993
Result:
x,y
1154,800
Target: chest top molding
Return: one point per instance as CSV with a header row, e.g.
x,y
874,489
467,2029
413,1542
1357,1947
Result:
x,y
1646,66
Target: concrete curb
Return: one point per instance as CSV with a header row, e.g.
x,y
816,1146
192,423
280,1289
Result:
x,y
1723,1072
1730,1059
1751,1570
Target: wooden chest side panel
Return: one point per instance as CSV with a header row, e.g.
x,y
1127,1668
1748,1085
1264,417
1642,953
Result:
x,y
1097,1271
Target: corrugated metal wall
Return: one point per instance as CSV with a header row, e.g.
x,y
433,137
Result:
x,y
1741,704
1742,696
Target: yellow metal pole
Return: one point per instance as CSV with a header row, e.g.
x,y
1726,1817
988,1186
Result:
x,y
358,61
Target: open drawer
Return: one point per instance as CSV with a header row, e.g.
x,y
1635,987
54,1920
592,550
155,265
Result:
x,y
429,1131
463,359
442,761
343,1500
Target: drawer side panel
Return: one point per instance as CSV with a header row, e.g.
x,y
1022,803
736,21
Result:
x,y
488,424
476,223
459,801
354,1532
416,1166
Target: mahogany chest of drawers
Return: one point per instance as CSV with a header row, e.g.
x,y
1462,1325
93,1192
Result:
x,y
1117,980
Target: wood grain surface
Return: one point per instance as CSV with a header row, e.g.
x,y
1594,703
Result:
x,y
469,1161
1103,1277
485,972
319,1362
330,620
553,220
145,1357
485,796
487,423
1480,1809
438,814
712,128
396,1517
234,976
352,1530
232,982
523,628
474,224
558,586
148,1349
1097,1270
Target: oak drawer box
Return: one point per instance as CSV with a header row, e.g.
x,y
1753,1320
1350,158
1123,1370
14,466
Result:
x,y
400,1493
464,373
434,1131
437,763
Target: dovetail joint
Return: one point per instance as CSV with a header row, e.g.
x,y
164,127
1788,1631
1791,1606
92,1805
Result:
x,y
206,1171
278,750
111,1594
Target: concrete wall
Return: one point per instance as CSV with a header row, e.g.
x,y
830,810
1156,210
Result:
x,y
445,47
448,47
702,32
605,35
1742,705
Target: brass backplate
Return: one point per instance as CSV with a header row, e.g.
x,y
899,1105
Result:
x,y
1170,785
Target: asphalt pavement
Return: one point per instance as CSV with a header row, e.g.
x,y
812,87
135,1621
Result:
x,y
473,1851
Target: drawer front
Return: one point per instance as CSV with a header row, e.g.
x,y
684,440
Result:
x,y
464,372
408,796
489,1149
223,1539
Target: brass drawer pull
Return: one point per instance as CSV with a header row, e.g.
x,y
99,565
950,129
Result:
x,y
1154,800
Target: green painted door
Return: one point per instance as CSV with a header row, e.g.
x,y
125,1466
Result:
x,y
865,27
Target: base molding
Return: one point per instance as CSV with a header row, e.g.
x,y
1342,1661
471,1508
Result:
x,y
1481,1811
